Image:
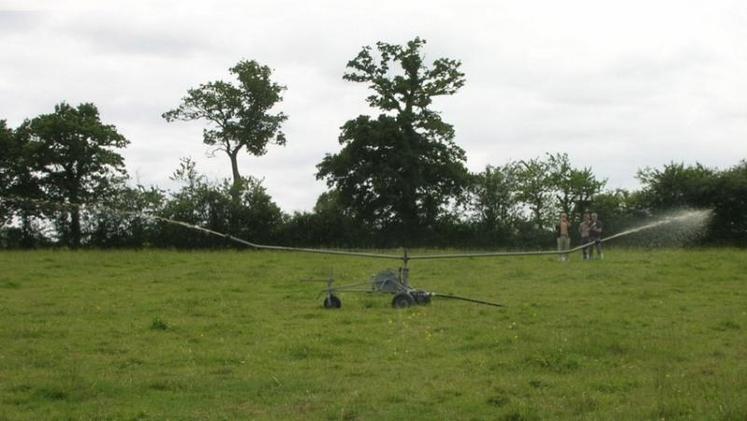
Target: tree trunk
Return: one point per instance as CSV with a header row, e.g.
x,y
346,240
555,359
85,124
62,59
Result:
x,y
27,240
538,215
236,188
74,215
75,228
233,216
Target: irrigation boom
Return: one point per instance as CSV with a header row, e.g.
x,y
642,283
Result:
x,y
388,281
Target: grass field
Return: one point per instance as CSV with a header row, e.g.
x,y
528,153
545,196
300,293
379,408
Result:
x,y
238,335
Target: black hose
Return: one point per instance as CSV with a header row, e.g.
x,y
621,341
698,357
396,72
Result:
x,y
471,300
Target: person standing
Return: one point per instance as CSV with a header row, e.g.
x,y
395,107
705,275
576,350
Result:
x,y
595,235
562,232
584,229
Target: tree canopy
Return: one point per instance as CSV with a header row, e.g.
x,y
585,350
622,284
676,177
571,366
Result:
x,y
238,115
399,178
19,178
398,170
574,188
675,185
494,197
75,154
6,158
534,188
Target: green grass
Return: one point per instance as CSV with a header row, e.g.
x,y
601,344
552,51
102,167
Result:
x,y
238,335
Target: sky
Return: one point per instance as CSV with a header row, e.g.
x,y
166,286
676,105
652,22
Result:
x,y
619,86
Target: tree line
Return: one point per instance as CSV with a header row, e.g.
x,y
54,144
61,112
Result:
x,y
399,178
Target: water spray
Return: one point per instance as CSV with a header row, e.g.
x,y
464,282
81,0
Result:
x,y
695,218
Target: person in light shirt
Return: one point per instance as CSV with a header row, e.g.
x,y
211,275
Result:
x,y
562,232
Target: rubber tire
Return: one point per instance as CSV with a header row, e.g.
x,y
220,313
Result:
x,y
332,302
402,300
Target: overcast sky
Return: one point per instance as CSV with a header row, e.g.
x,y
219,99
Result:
x,y
618,85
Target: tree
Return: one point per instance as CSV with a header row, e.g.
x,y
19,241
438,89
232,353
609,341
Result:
x,y
212,205
676,185
574,188
494,197
198,202
620,209
74,152
328,225
729,196
6,174
398,170
238,115
20,183
694,186
534,188
258,216
107,229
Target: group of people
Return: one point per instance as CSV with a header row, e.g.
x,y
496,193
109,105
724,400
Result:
x,y
590,230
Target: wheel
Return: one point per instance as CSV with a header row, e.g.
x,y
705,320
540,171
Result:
x,y
331,301
402,300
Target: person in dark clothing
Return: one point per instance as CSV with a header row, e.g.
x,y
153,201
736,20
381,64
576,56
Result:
x,y
595,235
584,229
